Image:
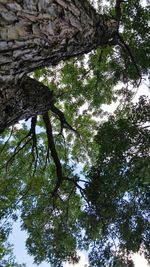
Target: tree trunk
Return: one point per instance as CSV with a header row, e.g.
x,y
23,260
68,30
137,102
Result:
x,y
23,100
37,33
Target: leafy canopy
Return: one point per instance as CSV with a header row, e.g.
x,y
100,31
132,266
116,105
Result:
x,y
104,208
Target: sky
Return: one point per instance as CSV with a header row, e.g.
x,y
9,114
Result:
x,y
18,239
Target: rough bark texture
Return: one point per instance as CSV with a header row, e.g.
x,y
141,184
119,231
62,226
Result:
x,y
36,33
23,100
42,32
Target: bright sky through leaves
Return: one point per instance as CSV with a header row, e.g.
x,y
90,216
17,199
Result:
x,y
105,210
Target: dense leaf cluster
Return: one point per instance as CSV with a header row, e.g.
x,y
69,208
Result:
x,y
103,206
119,188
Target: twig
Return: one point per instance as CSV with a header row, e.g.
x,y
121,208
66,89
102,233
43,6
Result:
x,y
34,145
47,158
68,200
7,140
118,10
32,135
62,119
82,190
17,151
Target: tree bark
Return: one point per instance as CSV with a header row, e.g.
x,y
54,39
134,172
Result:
x,y
23,99
37,33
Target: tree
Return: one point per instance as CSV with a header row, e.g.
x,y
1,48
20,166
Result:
x,y
58,208
118,187
41,34
6,256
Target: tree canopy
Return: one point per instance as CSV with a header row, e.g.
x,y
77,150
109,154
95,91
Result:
x,y
76,176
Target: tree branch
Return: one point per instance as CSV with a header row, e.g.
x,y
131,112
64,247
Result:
x,y
126,48
26,98
118,10
34,139
51,145
62,119
7,141
31,135
19,149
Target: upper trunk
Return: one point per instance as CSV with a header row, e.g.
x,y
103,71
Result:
x,y
38,33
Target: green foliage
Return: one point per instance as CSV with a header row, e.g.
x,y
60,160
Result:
x,y
50,221
105,214
119,186
107,211
6,255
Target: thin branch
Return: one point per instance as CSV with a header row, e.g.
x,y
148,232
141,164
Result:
x,y
68,204
62,119
83,181
146,126
83,195
51,145
118,10
32,135
98,71
47,158
7,140
34,145
82,190
25,193
17,151
126,48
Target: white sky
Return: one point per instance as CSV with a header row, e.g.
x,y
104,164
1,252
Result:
x,y
18,239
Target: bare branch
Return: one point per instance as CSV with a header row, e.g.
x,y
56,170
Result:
x,y
34,139
31,135
62,119
51,145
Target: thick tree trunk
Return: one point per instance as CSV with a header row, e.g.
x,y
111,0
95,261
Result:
x,y
36,33
22,100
